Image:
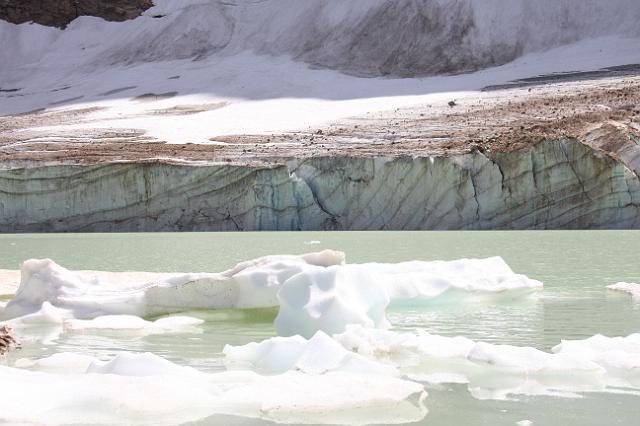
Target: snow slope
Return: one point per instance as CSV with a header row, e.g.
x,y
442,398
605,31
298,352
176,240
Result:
x,y
371,37
212,68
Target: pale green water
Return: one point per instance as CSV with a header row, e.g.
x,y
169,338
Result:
x,y
574,266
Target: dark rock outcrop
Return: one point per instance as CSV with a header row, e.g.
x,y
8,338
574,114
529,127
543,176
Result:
x,y
6,340
59,13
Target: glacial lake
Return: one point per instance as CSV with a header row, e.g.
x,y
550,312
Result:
x,y
575,267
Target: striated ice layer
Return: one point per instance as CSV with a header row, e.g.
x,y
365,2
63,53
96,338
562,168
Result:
x,y
631,288
314,292
147,389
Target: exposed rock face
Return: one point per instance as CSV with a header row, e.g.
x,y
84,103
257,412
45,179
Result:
x,y
560,184
59,13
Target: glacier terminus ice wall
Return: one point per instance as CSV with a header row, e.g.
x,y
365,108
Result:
x,y
555,185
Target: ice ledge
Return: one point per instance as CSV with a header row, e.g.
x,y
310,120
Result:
x,y
560,184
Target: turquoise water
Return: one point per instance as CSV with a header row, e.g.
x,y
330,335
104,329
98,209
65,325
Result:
x,y
575,267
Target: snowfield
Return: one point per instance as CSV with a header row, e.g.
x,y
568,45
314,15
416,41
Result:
x,y
191,71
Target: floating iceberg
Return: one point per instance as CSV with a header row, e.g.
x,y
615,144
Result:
x,y
329,299
490,371
335,361
631,288
318,355
251,284
496,371
315,291
619,356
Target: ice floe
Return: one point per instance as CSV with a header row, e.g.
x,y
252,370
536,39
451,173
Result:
x,y
631,288
315,291
318,355
61,362
490,371
329,299
335,361
251,284
172,324
619,356
48,323
147,389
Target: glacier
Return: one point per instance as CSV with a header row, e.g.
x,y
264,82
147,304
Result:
x,y
113,107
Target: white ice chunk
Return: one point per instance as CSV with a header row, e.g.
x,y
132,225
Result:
x,y
391,344
631,288
46,315
146,364
317,355
251,284
63,363
599,344
173,324
334,398
619,356
427,280
315,291
144,388
329,299
498,371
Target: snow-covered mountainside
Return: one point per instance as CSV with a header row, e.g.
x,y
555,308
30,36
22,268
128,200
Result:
x,y
324,114
363,37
